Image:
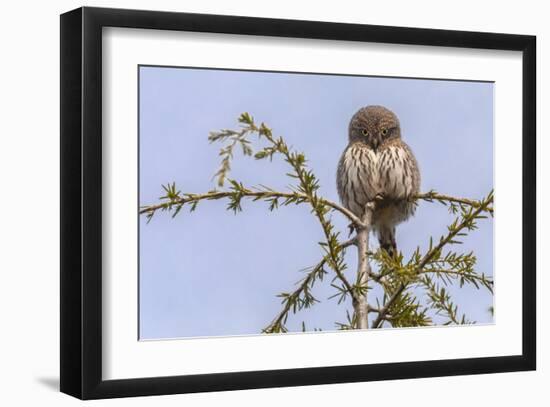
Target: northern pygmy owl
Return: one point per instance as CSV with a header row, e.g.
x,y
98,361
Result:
x,y
375,163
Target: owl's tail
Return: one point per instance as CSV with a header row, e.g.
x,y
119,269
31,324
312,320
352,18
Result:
x,y
386,237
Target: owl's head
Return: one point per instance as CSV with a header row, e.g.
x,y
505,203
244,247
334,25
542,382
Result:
x,y
374,125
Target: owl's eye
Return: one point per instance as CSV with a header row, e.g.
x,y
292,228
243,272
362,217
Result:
x,y
384,132
365,132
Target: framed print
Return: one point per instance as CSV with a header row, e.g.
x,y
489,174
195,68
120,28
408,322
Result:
x,y
251,203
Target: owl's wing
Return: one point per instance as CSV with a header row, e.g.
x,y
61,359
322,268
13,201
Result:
x,y
400,177
341,178
413,167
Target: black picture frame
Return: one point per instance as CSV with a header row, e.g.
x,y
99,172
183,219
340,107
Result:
x,y
81,202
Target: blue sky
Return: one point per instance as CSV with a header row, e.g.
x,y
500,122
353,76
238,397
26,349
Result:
x,y
211,272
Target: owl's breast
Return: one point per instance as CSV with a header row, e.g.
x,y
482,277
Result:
x,y
398,172
358,177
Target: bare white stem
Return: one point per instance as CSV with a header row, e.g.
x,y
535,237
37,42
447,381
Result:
x,y
360,303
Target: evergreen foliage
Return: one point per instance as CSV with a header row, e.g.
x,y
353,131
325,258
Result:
x,y
431,270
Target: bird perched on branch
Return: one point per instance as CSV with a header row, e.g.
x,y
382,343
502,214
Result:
x,y
378,165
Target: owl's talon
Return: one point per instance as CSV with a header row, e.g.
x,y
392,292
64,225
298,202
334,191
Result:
x,y
390,250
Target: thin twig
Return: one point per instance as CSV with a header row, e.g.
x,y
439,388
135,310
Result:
x,y
278,321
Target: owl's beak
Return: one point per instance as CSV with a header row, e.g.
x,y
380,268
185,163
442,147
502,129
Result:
x,y
375,141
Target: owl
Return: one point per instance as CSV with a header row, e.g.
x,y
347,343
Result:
x,y
378,164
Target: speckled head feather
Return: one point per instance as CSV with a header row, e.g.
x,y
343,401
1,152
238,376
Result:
x,y
374,125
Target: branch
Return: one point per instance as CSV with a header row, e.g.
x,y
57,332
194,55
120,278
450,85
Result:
x,y
431,196
295,301
467,222
360,303
441,301
295,197
180,200
308,185
473,278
